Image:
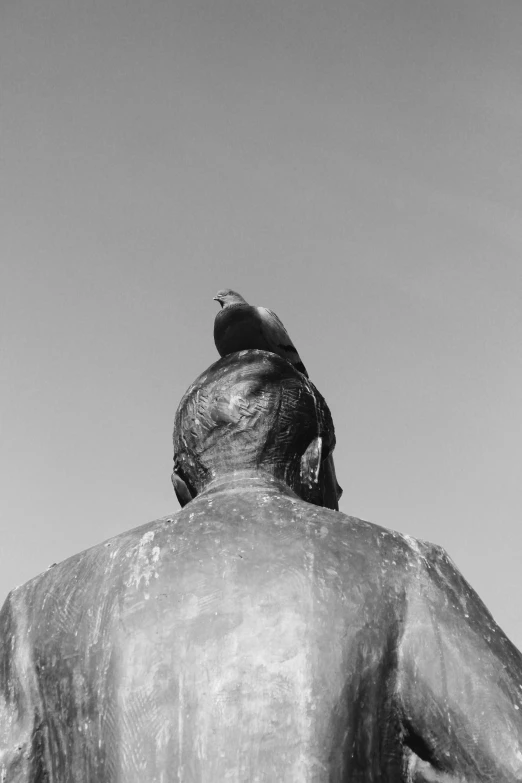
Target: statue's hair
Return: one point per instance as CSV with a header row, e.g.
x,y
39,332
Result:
x,y
251,409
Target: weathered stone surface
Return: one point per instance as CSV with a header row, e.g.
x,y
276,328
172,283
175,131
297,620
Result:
x,y
253,636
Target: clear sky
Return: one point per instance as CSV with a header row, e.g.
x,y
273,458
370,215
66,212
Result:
x,y
354,165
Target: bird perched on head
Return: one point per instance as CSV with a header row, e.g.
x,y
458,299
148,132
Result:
x,y
240,326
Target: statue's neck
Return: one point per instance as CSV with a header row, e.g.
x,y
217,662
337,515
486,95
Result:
x,y
246,479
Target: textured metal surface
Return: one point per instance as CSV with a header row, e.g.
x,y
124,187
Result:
x,y
255,637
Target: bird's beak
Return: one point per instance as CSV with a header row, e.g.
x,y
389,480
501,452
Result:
x,y
216,298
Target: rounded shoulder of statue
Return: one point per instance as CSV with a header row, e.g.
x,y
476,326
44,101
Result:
x,y
251,521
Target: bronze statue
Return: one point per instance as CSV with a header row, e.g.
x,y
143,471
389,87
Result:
x,y
256,634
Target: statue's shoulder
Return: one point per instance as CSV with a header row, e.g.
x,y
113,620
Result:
x,y
426,551
379,546
379,537
107,562
409,563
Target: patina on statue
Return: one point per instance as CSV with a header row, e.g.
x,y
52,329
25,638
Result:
x,y
257,634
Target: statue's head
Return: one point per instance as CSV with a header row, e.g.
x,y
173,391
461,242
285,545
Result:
x,y
254,412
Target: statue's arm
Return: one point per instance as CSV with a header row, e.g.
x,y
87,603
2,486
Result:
x,y
21,736
459,682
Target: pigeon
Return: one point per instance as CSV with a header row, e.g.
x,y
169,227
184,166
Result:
x,y
240,326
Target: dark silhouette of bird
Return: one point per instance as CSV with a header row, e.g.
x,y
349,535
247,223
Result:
x,y
240,326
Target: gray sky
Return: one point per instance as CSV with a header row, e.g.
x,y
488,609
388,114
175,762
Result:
x,y
355,166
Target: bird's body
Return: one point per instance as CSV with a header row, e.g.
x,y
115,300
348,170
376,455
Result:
x,y
240,326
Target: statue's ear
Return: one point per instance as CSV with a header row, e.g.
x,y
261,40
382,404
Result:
x,y
318,480
331,490
183,493
310,469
